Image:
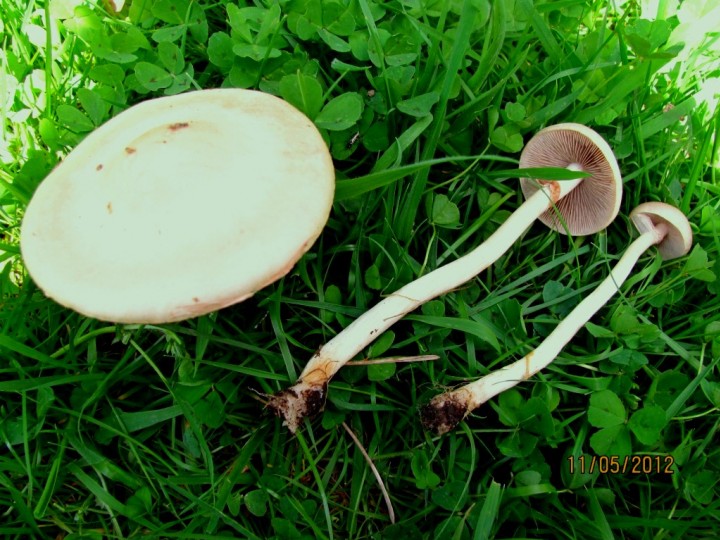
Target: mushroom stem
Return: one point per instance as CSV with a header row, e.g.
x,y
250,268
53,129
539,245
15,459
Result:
x,y
307,396
446,410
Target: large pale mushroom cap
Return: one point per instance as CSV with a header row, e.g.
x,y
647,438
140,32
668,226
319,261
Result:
x,y
179,206
593,204
678,240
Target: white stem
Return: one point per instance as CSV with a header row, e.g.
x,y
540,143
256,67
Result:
x,y
361,332
478,392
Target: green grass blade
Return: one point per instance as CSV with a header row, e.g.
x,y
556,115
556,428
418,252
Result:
x,y
494,40
318,482
347,189
489,513
393,155
51,482
682,398
699,162
15,499
544,34
407,214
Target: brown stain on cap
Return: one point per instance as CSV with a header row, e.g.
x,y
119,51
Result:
x,y
553,189
178,125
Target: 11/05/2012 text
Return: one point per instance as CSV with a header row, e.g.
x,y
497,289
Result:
x,y
621,465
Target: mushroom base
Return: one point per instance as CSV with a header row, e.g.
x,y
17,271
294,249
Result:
x,y
303,400
444,412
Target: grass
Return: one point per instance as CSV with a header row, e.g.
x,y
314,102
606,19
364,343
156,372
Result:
x,y
113,431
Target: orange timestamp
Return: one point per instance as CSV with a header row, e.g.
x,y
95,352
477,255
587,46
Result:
x,y
621,465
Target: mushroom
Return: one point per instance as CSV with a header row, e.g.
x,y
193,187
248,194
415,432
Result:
x,y
179,206
585,206
659,225
593,205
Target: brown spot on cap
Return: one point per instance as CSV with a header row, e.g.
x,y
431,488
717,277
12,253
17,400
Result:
x,y
109,207
130,150
99,167
178,125
595,202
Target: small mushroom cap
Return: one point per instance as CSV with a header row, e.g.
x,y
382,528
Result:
x,y
593,204
678,240
179,206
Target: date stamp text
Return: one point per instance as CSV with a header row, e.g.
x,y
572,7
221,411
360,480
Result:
x,y
621,465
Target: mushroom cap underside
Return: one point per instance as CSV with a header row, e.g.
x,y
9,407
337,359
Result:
x,y
595,202
179,206
678,240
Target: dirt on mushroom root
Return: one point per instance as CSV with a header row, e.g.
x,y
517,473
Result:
x,y
442,416
293,406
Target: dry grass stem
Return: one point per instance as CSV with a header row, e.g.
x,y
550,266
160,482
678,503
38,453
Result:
x,y
376,473
394,360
